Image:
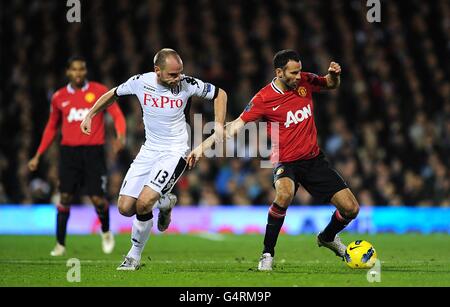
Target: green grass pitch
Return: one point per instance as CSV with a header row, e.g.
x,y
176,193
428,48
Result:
x,y
224,261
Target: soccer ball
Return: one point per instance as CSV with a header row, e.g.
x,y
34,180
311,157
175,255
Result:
x,y
360,254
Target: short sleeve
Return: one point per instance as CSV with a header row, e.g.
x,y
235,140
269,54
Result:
x,y
129,87
254,109
316,82
198,88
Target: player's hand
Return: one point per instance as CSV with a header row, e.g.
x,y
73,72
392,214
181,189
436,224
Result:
x,y
33,163
194,156
334,69
119,143
86,125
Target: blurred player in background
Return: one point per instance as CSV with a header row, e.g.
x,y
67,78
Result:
x,y
82,158
297,158
164,98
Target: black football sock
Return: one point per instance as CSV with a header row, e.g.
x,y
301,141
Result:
x,y
61,224
103,215
275,220
144,217
337,224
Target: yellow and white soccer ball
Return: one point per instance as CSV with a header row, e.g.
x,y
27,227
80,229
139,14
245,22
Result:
x,y
360,254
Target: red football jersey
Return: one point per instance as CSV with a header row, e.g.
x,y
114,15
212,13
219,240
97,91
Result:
x,y
69,106
293,111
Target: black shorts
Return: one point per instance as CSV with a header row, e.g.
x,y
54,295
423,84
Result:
x,y
315,175
82,167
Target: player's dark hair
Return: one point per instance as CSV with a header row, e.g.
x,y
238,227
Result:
x,y
160,57
282,57
74,58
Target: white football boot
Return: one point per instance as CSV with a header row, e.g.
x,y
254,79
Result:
x,y
336,245
129,264
59,250
108,242
265,262
165,213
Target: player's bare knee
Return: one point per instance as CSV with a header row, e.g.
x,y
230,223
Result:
x,y
351,210
144,206
284,199
125,210
126,207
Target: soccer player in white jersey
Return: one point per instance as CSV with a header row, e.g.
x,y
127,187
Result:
x,y
163,95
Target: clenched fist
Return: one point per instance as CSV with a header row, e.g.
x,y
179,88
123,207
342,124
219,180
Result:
x,y
334,68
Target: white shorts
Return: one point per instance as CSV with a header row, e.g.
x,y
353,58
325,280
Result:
x,y
158,170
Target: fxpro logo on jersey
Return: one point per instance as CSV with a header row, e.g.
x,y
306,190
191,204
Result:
x,y
77,114
161,102
298,116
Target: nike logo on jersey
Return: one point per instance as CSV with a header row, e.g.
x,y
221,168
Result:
x,y
298,116
276,108
65,103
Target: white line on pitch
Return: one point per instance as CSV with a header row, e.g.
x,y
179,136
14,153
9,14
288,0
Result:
x,y
211,236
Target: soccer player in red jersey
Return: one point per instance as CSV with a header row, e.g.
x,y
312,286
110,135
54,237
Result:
x,y
296,156
82,157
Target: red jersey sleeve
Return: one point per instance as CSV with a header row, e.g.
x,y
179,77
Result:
x,y
51,127
118,118
254,110
316,82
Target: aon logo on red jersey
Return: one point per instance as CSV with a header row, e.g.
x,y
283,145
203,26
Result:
x,y
298,116
77,115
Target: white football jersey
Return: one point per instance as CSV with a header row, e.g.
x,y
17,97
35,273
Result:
x,y
163,108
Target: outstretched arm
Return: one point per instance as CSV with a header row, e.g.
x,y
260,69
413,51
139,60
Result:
x,y
102,103
220,111
231,129
334,76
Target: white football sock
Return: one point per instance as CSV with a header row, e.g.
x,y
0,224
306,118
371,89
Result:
x,y
139,236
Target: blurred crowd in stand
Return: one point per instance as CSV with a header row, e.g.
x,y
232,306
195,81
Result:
x,y
386,129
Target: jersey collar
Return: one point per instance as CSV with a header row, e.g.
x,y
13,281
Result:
x,y
275,87
71,90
